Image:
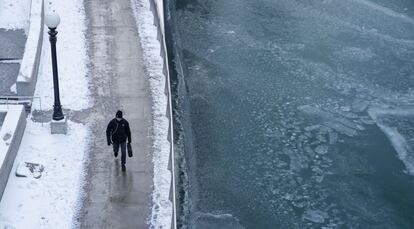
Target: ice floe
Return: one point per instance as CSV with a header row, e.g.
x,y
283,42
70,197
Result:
x,y
315,216
397,126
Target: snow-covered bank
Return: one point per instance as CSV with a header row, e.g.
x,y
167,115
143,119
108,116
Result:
x,y
52,200
162,211
72,58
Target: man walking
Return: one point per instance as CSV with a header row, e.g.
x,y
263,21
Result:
x,y
117,134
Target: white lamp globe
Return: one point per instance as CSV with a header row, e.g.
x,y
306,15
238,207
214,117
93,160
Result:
x,y
52,19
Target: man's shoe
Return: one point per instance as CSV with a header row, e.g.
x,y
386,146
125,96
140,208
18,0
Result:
x,y
115,154
123,168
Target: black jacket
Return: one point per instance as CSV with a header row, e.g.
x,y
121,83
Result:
x,y
118,131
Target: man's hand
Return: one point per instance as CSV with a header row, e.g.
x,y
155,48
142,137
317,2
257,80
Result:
x,y
109,143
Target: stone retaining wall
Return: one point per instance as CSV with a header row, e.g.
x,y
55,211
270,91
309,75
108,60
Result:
x,y
11,134
26,80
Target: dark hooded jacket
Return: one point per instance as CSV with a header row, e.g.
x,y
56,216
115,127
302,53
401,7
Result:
x,y
118,131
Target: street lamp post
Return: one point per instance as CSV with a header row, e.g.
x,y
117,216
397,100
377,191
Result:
x,y
52,20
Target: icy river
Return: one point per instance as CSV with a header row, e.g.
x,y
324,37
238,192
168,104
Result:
x,y
294,113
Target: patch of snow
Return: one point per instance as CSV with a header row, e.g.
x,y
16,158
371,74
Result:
x,y
53,200
72,58
15,14
50,201
13,88
161,214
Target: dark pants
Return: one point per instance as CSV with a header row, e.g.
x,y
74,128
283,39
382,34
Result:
x,y
123,151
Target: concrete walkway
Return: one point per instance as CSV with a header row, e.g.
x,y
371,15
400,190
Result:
x,y
116,199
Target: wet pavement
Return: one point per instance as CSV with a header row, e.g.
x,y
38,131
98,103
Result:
x,y
117,199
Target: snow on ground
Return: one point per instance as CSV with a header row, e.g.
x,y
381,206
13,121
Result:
x,y
48,202
52,200
162,206
15,14
71,57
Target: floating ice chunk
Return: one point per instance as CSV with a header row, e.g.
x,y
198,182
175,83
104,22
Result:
x,y
313,127
288,196
315,216
317,170
367,120
333,137
327,160
342,129
345,108
272,133
350,124
315,111
297,161
321,149
275,191
336,122
349,115
319,179
300,203
321,138
359,106
216,220
308,149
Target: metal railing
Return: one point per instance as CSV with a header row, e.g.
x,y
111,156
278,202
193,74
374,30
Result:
x,y
158,12
16,99
26,101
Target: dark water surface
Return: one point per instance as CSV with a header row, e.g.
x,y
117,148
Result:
x,y
294,113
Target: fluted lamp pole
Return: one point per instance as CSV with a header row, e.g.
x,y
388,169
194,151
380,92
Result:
x,y
52,20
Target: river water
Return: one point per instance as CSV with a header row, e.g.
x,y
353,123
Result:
x,y
293,113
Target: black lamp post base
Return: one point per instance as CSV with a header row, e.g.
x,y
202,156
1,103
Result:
x,y
59,127
57,113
